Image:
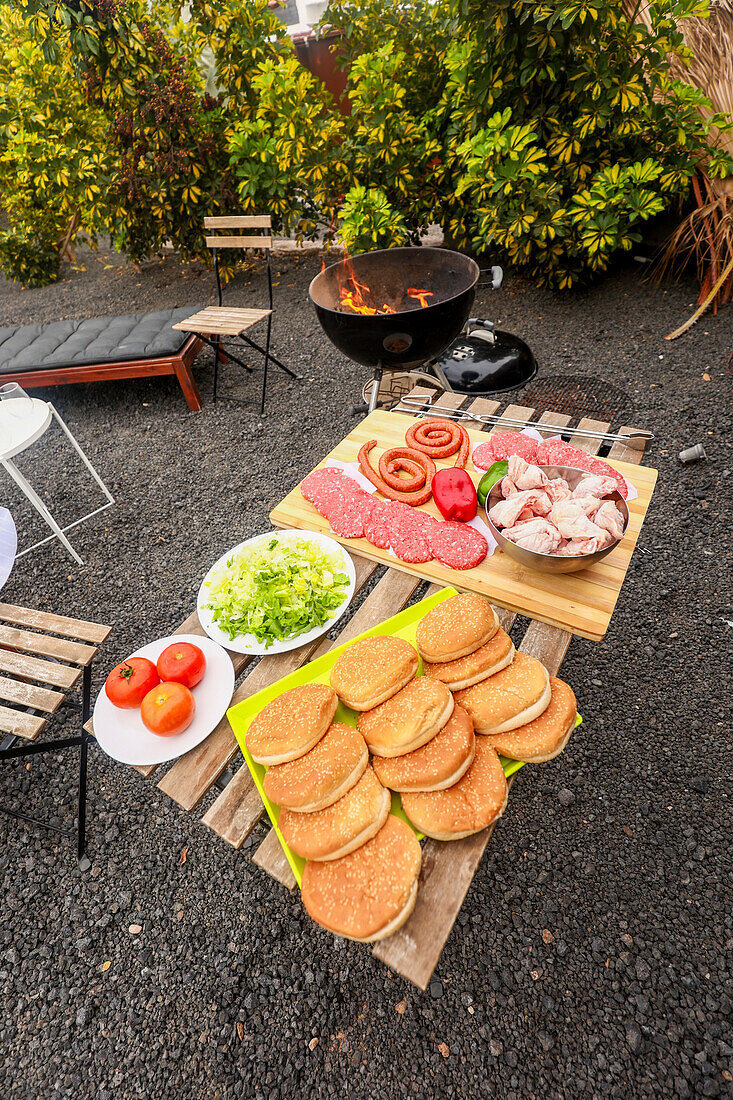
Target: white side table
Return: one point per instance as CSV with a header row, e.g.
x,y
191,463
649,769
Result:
x,y
22,422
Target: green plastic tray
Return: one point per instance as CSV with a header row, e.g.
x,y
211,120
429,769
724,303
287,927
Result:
x,y
403,625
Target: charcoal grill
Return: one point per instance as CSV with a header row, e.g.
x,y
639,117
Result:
x,y
403,334
413,334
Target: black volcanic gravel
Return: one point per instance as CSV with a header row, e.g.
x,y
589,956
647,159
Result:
x,y
592,957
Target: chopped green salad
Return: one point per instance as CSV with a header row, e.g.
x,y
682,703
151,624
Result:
x,y
277,589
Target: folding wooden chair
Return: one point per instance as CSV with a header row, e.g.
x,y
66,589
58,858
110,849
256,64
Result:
x,y
214,323
30,650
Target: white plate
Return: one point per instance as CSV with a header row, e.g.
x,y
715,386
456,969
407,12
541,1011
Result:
x,y
123,736
247,643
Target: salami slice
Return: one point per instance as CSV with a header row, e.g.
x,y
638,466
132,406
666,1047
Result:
x,y
457,545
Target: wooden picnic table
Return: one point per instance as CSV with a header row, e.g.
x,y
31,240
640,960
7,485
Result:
x,y
447,868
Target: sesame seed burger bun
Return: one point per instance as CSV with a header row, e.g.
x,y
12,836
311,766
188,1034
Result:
x,y
291,724
546,736
456,627
435,766
342,827
369,894
323,775
372,670
474,667
408,720
470,805
516,695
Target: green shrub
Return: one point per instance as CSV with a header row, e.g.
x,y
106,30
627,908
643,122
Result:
x,y
28,259
573,133
368,221
54,169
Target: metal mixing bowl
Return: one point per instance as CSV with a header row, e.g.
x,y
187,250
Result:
x,y
552,563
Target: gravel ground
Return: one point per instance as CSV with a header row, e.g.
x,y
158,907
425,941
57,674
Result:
x,y
592,957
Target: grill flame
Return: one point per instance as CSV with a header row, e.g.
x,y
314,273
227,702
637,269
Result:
x,y
357,297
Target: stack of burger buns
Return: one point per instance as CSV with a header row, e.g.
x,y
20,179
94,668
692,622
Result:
x,y
434,738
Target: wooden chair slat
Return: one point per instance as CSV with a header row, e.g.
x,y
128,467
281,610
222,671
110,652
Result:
x,y
56,624
239,221
30,695
45,671
46,645
20,724
193,774
265,241
389,596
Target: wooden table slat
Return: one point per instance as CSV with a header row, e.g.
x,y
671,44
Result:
x,y
271,858
20,724
45,645
226,815
30,695
57,624
622,452
46,671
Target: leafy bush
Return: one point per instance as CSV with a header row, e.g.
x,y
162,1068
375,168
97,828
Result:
x,y
53,167
573,131
546,132
368,221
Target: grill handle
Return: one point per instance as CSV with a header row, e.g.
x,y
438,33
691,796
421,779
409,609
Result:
x,y
497,276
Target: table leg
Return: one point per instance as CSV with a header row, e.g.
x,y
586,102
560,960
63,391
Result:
x,y
82,456
40,507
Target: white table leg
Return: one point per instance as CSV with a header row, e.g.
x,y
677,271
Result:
x,y
81,454
40,507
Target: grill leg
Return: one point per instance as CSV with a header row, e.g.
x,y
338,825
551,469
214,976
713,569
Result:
x,y
374,399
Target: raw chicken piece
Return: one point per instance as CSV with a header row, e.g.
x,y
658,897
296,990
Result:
x,y
506,512
536,534
542,505
589,505
609,518
508,488
597,485
557,489
524,475
572,522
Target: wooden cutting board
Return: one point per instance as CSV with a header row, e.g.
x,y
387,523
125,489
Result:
x,y
580,602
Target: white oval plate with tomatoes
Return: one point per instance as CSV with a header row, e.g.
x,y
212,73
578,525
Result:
x,y
247,643
123,736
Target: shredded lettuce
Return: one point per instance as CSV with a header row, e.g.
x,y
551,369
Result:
x,y
276,589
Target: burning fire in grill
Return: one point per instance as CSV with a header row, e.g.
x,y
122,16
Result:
x,y
357,297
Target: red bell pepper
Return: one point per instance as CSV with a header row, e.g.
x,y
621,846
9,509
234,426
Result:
x,y
455,494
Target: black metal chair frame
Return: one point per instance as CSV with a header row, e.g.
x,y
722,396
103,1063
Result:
x,y
10,750
222,350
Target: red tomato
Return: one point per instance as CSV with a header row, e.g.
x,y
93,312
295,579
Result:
x,y
129,683
182,663
168,709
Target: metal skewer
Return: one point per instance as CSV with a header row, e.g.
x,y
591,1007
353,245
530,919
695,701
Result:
x,y
637,439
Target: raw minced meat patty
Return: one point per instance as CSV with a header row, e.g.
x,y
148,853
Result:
x,y
347,516
408,533
457,545
503,444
